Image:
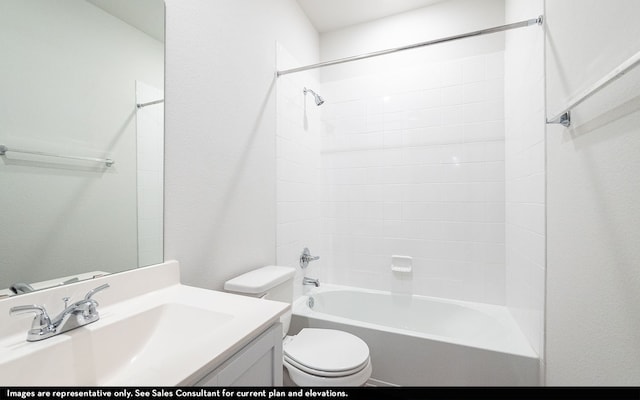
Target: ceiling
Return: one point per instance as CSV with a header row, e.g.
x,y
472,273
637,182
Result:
x,y
145,15
325,15
328,15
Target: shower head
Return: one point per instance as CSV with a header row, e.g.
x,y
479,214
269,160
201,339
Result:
x,y
319,100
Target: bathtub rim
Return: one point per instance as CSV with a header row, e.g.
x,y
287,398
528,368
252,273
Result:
x,y
500,313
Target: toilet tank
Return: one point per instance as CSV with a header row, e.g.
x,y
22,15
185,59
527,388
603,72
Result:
x,y
271,282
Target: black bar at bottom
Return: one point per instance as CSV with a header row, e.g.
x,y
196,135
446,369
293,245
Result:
x,y
322,393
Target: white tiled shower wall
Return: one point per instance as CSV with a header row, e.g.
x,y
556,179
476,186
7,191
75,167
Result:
x,y
298,168
413,165
525,171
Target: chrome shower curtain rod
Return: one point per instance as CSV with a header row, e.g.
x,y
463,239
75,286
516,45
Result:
x,y
564,117
521,24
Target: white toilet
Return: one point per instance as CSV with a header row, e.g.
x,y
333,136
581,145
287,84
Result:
x,y
313,357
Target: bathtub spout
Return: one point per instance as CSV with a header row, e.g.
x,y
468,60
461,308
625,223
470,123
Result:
x,y
311,281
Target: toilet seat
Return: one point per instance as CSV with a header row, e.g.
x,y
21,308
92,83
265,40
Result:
x,y
326,356
301,378
328,374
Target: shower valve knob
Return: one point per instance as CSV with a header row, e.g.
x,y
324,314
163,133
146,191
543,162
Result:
x,y
306,257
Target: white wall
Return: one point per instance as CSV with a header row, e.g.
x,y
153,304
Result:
x,y
413,155
593,280
68,87
150,183
525,170
220,170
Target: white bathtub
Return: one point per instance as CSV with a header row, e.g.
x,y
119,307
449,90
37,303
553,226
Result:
x,y
424,341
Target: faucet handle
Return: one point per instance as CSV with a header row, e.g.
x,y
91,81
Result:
x,y
306,257
21,287
95,290
88,305
39,321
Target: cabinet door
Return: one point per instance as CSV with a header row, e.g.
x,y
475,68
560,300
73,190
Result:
x,y
258,364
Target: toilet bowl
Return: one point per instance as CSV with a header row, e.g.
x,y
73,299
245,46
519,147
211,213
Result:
x,y
326,357
312,357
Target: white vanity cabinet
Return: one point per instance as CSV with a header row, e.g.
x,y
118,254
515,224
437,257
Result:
x,y
259,363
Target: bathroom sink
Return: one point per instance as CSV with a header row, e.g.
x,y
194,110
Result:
x,y
149,339
115,351
172,336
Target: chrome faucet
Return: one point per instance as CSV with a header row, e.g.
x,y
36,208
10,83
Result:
x,y
306,257
19,288
80,313
311,281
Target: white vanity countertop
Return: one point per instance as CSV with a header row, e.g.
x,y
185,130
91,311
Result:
x,y
166,334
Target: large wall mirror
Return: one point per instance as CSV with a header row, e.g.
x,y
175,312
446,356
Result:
x,y
81,139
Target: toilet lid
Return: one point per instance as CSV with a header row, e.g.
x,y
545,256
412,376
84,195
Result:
x,y
327,350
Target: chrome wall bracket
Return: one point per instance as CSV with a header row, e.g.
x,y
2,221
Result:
x,y
563,119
